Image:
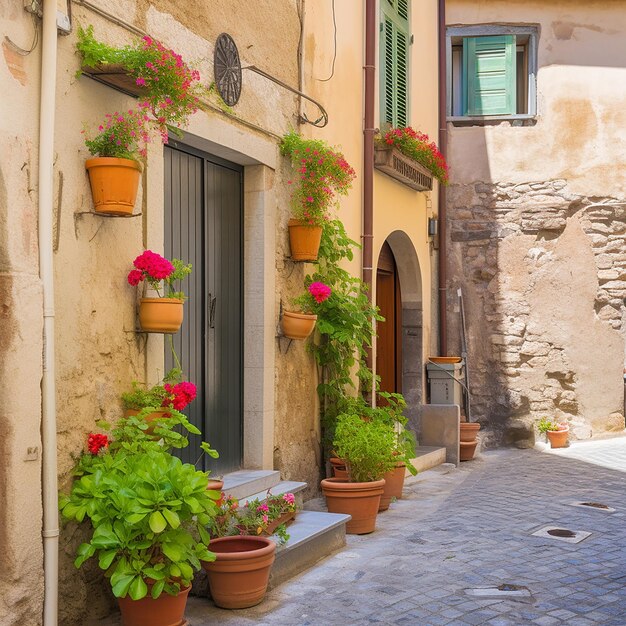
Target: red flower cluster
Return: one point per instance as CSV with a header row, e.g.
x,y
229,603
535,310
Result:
x,y
180,395
419,147
150,265
96,442
320,292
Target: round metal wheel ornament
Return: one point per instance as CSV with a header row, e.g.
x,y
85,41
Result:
x,y
227,69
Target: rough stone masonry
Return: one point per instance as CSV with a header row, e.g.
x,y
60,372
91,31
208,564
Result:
x,y
543,275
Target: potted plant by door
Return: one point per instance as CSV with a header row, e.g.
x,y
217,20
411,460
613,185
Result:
x,y
367,446
556,433
299,324
322,173
148,512
163,314
239,575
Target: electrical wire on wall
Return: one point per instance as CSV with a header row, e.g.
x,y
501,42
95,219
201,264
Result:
x,y
332,71
22,51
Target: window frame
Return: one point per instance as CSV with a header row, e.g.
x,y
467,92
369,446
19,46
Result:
x,y
483,30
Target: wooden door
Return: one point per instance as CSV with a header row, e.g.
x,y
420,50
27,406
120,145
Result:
x,y
389,341
203,226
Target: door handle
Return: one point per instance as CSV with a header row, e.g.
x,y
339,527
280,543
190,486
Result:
x,y
212,302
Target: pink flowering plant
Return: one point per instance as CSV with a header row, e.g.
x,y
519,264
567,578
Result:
x,y
321,174
122,135
256,517
311,300
155,269
420,148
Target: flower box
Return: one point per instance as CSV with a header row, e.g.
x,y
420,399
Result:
x,y
285,518
115,75
392,162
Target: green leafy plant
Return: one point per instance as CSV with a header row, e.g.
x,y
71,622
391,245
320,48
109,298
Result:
x,y
155,396
366,445
122,135
545,424
322,174
148,513
254,518
309,302
420,148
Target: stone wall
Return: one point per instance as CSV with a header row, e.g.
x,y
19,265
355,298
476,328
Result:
x,y
543,273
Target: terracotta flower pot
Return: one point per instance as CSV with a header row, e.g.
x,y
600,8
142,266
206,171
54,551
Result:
x,y
298,325
304,240
338,468
215,485
285,518
160,315
239,575
469,430
151,417
360,500
114,183
467,449
394,482
166,610
558,438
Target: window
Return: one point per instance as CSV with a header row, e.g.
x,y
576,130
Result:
x,y
394,62
491,72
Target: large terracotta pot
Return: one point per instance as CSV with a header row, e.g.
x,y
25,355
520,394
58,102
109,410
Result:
x,y
360,500
468,443
394,482
558,438
160,315
166,610
239,575
467,449
114,183
304,240
469,430
298,325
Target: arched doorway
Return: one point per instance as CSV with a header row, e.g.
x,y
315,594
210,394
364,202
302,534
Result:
x,y
399,345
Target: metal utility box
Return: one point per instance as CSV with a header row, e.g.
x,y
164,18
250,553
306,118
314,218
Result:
x,y
444,383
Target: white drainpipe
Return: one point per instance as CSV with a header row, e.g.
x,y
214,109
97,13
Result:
x,y
46,272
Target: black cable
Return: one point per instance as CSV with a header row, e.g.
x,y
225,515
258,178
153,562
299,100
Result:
x,y
332,73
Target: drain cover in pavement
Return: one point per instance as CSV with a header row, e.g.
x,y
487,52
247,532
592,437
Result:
x,y
501,591
562,534
594,505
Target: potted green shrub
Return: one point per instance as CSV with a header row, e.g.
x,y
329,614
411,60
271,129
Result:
x,y
556,433
148,513
322,173
299,324
239,575
367,446
163,314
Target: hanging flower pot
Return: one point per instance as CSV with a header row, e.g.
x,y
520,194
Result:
x,y
239,575
114,183
166,610
160,315
298,325
304,240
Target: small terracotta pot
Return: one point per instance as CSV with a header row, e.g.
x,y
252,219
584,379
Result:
x,y
558,438
166,610
215,485
394,482
469,430
304,240
285,518
151,417
338,468
114,183
467,449
239,575
360,500
160,315
298,325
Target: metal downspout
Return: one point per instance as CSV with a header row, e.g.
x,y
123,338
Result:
x,y
46,272
443,148
368,151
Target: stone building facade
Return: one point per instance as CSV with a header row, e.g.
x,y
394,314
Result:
x,y
537,223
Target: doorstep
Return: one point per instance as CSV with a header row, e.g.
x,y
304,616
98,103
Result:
x,y
427,457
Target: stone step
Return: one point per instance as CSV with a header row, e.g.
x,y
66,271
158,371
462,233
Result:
x,y
244,483
285,486
427,457
313,535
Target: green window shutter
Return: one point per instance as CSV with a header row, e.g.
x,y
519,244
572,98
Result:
x,y
489,66
394,51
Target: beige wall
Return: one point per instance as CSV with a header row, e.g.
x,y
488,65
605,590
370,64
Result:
x,y
541,266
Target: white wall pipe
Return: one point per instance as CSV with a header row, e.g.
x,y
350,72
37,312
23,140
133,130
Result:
x,y
46,272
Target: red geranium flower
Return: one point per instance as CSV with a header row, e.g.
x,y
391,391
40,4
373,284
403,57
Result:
x,y
96,442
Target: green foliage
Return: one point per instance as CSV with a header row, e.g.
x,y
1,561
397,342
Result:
x,y
140,398
367,446
545,424
148,511
181,271
321,173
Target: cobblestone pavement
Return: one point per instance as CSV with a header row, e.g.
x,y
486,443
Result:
x,y
459,529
